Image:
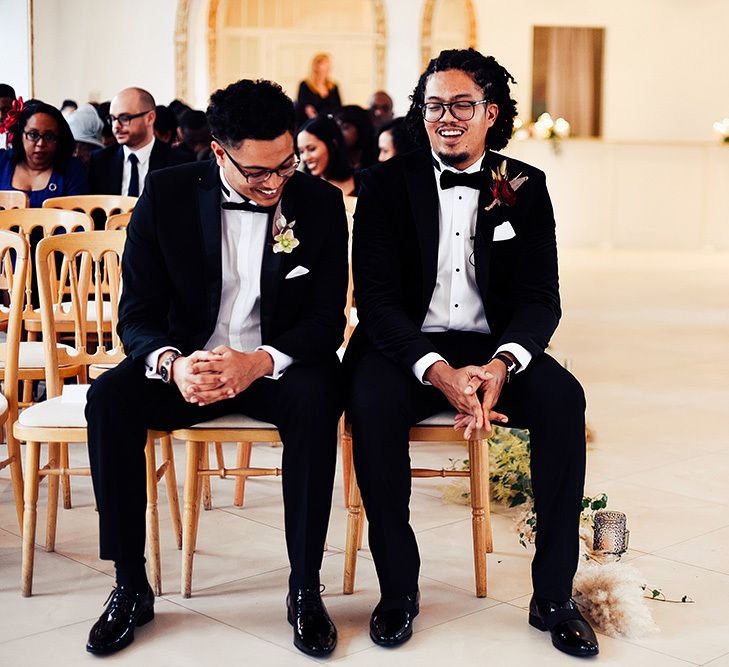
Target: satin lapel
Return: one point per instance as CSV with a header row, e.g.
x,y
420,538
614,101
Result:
x,y
208,209
423,195
272,263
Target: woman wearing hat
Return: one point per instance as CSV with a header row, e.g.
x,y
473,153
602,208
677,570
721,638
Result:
x,y
86,127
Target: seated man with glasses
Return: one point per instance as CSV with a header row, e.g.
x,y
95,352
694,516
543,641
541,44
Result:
x,y
121,170
455,268
234,285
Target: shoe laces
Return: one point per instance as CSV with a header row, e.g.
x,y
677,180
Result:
x,y
119,598
309,598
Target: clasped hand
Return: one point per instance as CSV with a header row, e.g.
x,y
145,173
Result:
x,y
472,391
207,377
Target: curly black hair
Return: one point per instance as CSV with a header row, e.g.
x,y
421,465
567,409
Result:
x,y
488,75
250,110
65,145
324,127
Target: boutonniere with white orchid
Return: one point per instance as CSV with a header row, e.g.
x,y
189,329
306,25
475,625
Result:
x,y
504,190
284,238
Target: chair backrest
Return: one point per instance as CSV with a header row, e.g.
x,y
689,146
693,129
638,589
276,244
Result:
x,y
14,263
13,199
118,221
88,255
50,221
109,204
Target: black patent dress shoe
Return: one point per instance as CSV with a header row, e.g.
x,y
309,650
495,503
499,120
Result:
x,y
571,633
391,623
125,611
314,632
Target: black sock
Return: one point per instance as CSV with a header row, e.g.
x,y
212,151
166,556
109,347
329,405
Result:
x,y
132,574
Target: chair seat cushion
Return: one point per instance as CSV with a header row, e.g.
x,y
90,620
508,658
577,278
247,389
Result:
x,y
234,421
444,418
54,413
31,354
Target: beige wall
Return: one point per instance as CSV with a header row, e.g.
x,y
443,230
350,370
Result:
x,y
665,60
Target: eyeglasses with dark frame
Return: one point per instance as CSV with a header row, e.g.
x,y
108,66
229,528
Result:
x,y
460,109
34,137
254,178
126,118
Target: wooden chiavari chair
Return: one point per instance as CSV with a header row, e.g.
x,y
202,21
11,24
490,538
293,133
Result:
x,y
13,199
99,207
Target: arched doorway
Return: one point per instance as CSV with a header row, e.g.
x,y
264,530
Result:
x,y
447,24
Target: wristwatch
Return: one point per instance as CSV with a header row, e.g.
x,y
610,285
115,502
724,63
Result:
x,y
511,365
165,369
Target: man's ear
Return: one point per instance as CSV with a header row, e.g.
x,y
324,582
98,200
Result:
x,y
218,152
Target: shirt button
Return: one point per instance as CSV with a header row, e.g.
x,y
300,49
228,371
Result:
x,y
459,197
456,305
458,270
458,233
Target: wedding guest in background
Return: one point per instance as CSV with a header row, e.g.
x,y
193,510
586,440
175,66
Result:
x,y
68,107
39,158
394,139
165,125
121,170
380,109
86,127
323,153
7,97
359,135
318,93
178,107
107,136
194,135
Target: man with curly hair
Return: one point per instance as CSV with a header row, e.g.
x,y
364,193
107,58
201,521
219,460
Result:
x,y
235,279
455,273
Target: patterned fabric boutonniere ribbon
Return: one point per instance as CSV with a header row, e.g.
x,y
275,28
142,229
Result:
x,y
504,190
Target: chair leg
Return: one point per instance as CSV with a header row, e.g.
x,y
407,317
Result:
x,y
32,479
198,493
480,519
354,528
346,460
173,499
189,526
206,491
16,474
244,461
153,518
54,450
65,479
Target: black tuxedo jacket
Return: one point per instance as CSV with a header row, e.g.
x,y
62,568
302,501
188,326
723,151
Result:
x,y
106,166
172,267
395,259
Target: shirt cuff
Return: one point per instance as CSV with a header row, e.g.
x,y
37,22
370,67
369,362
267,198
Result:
x,y
523,356
281,361
152,359
424,363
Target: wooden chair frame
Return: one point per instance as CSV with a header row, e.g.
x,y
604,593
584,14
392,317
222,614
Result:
x,y
480,505
94,247
110,204
10,199
198,470
16,270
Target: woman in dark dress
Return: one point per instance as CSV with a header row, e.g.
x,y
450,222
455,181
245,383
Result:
x,y
317,94
359,135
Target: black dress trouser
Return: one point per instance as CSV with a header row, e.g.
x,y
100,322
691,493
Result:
x,y
305,405
386,400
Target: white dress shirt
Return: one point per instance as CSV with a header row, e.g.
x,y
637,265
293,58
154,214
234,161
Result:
x,y
456,303
244,235
142,154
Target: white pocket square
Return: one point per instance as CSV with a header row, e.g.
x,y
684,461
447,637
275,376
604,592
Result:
x,y
298,271
504,232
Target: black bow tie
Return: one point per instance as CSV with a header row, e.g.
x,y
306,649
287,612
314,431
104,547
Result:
x,y
247,206
450,179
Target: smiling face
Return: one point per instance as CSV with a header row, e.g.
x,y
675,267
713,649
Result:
x,y
255,156
458,143
314,153
40,154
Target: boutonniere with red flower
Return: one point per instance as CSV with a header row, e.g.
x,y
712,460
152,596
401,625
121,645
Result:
x,y
12,118
504,190
284,238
